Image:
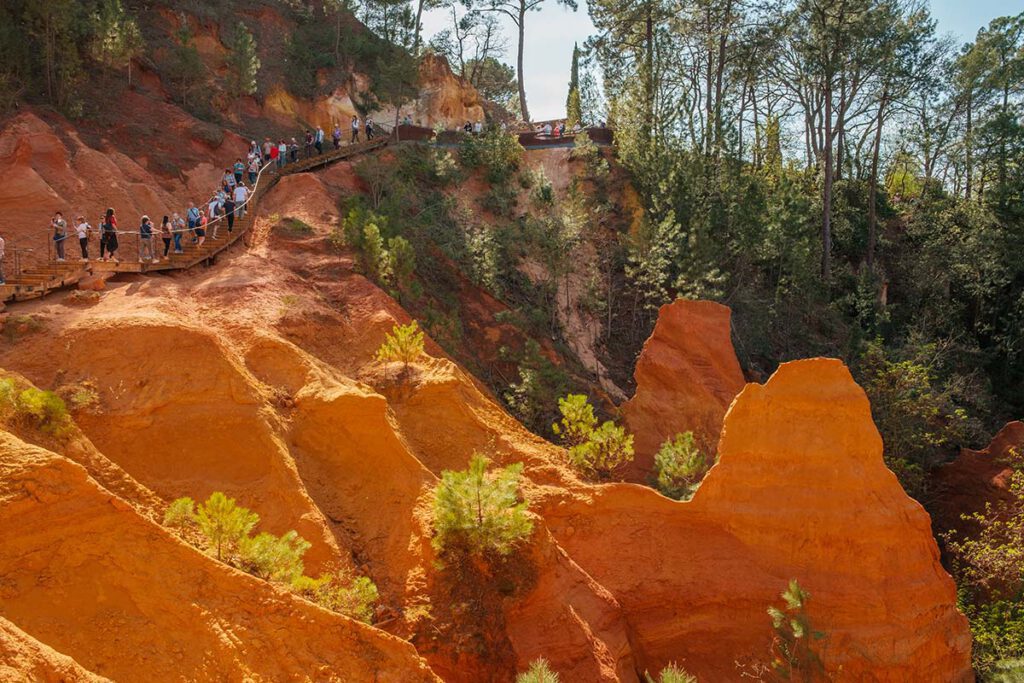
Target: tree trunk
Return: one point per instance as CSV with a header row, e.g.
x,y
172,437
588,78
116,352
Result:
x,y
967,147
826,204
873,186
416,35
523,110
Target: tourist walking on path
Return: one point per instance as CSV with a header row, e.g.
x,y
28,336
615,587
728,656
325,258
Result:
x,y
3,250
282,153
108,236
254,169
82,228
145,239
369,129
319,140
193,219
229,211
309,144
355,129
266,149
273,156
177,227
239,169
336,135
241,197
201,228
165,234
229,178
293,150
60,233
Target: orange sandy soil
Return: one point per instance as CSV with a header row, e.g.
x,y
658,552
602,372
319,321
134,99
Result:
x,y
255,377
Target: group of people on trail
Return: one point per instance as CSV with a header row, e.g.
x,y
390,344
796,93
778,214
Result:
x,y
475,128
227,204
558,130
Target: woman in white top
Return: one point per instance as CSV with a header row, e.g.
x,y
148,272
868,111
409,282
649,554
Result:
x,y
83,228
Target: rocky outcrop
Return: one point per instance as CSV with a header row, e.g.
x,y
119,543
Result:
x,y
91,578
23,659
686,377
800,492
975,479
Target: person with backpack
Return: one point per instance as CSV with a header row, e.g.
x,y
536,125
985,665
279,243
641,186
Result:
x,y
241,197
293,150
309,144
229,211
83,228
60,233
355,129
336,135
254,170
239,169
108,237
145,240
369,129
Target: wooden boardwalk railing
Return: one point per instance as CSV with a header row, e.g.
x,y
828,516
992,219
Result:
x,y
36,281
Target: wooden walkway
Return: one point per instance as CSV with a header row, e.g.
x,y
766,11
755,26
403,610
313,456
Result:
x,y
37,281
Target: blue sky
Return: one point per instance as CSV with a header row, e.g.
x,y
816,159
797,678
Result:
x,y
551,32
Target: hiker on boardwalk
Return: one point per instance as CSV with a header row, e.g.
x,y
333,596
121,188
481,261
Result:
x,y
266,149
293,150
319,140
273,156
336,135
177,227
241,197
229,178
146,239
478,128
254,170
193,219
165,234
355,129
239,169
82,228
60,233
254,148
201,228
229,212
369,129
309,144
468,128
282,153
3,252
108,236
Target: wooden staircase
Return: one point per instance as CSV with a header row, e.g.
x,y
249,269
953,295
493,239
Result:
x,y
36,281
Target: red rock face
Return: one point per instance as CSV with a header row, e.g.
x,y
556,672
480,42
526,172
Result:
x,y
974,480
800,491
686,377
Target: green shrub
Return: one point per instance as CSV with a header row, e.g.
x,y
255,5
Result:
x,y
180,513
680,466
404,343
539,672
672,674
224,524
340,592
273,558
596,451
43,410
496,151
480,509
793,651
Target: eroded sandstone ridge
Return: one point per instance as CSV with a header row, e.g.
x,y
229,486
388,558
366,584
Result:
x,y
686,377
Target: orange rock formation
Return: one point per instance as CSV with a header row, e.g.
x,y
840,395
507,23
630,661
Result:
x,y
686,377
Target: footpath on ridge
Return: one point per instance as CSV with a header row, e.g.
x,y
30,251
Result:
x,y
38,280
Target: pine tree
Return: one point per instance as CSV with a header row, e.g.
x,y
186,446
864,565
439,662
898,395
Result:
x,y
403,343
224,523
243,62
679,466
480,508
117,39
573,107
273,558
539,672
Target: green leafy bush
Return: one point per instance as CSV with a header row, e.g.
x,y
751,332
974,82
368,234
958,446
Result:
x,y
596,451
273,558
539,672
672,674
180,513
793,651
341,592
680,466
223,523
35,408
497,152
404,343
480,509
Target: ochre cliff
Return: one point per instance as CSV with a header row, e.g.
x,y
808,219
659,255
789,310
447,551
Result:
x,y
800,492
686,377
257,377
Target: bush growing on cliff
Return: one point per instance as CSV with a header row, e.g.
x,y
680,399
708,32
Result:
x,y
273,558
539,672
342,593
793,653
496,151
404,343
672,674
34,408
480,509
596,451
680,466
224,523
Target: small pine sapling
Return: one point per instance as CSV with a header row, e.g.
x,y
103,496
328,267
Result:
x,y
539,672
679,466
404,343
